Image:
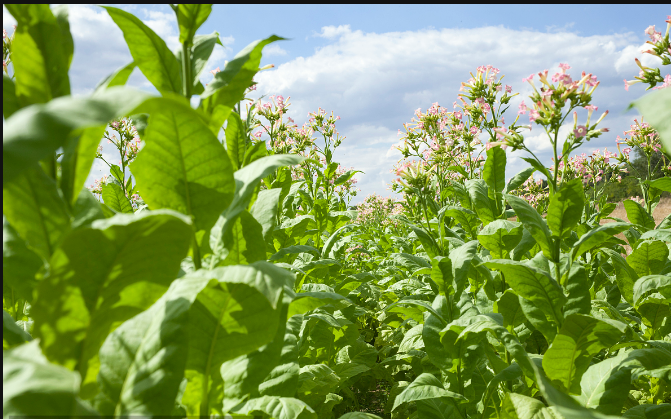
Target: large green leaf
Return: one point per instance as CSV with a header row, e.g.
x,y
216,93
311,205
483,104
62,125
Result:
x,y
425,387
534,285
649,257
638,216
265,210
579,339
565,209
519,179
605,386
596,237
203,45
38,55
19,263
656,108
517,406
500,237
103,276
534,223
150,53
189,18
235,314
277,408
31,386
282,381
229,85
184,167
236,140
244,242
150,345
462,261
36,210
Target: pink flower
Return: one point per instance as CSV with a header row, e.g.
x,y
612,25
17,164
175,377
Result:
x,y
564,66
580,131
591,108
215,71
533,115
528,78
509,89
458,115
522,109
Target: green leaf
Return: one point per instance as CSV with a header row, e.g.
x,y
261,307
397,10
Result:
x,y
649,258
346,176
462,261
244,242
576,283
61,14
86,210
184,167
307,301
27,378
605,386
236,140
151,344
39,58
229,85
189,18
114,198
579,339
517,406
247,180
203,45
282,381
150,53
359,415
265,210
35,209
292,250
565,208
509,307
10,103
494,172
467,218
656,109
648,411
625,276
536,165
534,285
101,277
534,223
637,215
596,237
500,237
519,179
79,152
277,407
649,284
425,387
484,206
117,78
235,314
663,183
12,334
19,263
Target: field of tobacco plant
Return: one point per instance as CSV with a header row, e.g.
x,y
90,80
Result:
x,y
222,270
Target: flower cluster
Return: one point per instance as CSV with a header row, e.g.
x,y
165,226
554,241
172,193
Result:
x,y
659,47
378,211
642,138
7,50
592,169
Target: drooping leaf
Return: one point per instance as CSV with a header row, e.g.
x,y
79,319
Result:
x,y
637,215
494,171
579,339
651,283
118,77
519,179
625,276
605,386
236,140
19,263
150,53
265,210
500,237
483,205
596,237
104,275
244,242
79,152
424,387
277,407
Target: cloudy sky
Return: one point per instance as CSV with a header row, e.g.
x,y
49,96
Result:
x,y
374,65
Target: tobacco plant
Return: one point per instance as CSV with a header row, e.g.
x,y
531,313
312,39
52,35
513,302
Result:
x,y
241,283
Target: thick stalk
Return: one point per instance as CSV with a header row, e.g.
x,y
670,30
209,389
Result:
x,y
186,70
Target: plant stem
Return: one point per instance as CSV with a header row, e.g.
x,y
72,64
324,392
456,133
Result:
x,y
186,70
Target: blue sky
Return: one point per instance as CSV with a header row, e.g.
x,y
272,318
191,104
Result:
x,y
374,65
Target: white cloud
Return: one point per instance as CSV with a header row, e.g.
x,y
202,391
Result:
x,y
331,32
378,80
274,50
